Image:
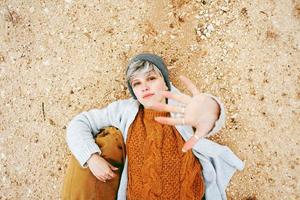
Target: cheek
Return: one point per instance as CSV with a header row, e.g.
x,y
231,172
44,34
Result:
x,y
137,93
161,86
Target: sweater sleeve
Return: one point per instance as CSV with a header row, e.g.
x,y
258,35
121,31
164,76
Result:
x,y
82,129
222,117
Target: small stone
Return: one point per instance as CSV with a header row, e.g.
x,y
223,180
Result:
x,y
193,47
210,27
31,9
3,156
46,10
46,62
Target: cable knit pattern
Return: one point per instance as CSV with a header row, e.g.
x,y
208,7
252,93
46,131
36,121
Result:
x,y
157,168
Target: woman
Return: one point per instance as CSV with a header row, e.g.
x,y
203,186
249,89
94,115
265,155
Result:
x,y
158,164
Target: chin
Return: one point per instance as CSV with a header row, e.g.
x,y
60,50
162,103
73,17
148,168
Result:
x,y
147,104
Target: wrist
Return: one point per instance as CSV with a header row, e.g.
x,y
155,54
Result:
x,y
206,127
93,157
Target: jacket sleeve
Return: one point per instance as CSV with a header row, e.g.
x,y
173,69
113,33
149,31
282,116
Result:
x,y
222,117
82,129
219,164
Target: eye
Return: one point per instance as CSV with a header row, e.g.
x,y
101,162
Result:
x,y
135,84
151,78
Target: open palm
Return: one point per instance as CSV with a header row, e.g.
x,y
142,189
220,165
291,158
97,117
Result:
x,y
198,110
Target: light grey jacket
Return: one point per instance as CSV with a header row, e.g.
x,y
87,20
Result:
x,y
219,162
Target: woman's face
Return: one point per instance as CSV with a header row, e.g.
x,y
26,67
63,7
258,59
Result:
x,y
146,88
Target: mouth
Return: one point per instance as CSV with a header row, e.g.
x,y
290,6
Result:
x,y
147,95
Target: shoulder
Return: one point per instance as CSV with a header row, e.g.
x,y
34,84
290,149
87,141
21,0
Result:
x,y
174,89
127,102
124,104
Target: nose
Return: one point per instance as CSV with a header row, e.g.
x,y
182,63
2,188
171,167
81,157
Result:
x,y
145,87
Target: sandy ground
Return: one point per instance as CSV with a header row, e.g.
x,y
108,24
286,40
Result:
x,y
58,58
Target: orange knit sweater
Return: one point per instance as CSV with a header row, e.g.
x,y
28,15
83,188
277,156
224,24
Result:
x,y
157,168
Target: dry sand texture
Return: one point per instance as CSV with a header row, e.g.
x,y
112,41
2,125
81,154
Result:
x,y
58,58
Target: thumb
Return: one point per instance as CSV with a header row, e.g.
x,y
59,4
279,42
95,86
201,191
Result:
x,y
113,168
189,144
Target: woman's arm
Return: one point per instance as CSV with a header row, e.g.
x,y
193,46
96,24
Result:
x,y
83,127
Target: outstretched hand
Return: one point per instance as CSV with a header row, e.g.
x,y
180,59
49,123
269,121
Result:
x,y
198,110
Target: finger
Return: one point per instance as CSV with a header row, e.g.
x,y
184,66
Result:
x,y
109,176
112,167
98,177
169,120
166,108
190,143
110,173
183,98
190,85
101,179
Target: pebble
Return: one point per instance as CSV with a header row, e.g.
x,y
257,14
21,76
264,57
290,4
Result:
x,y
193,47
46,62
46,10
31,9
3,157
210,27
3,94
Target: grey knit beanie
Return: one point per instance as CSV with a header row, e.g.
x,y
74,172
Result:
x,y
157,61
